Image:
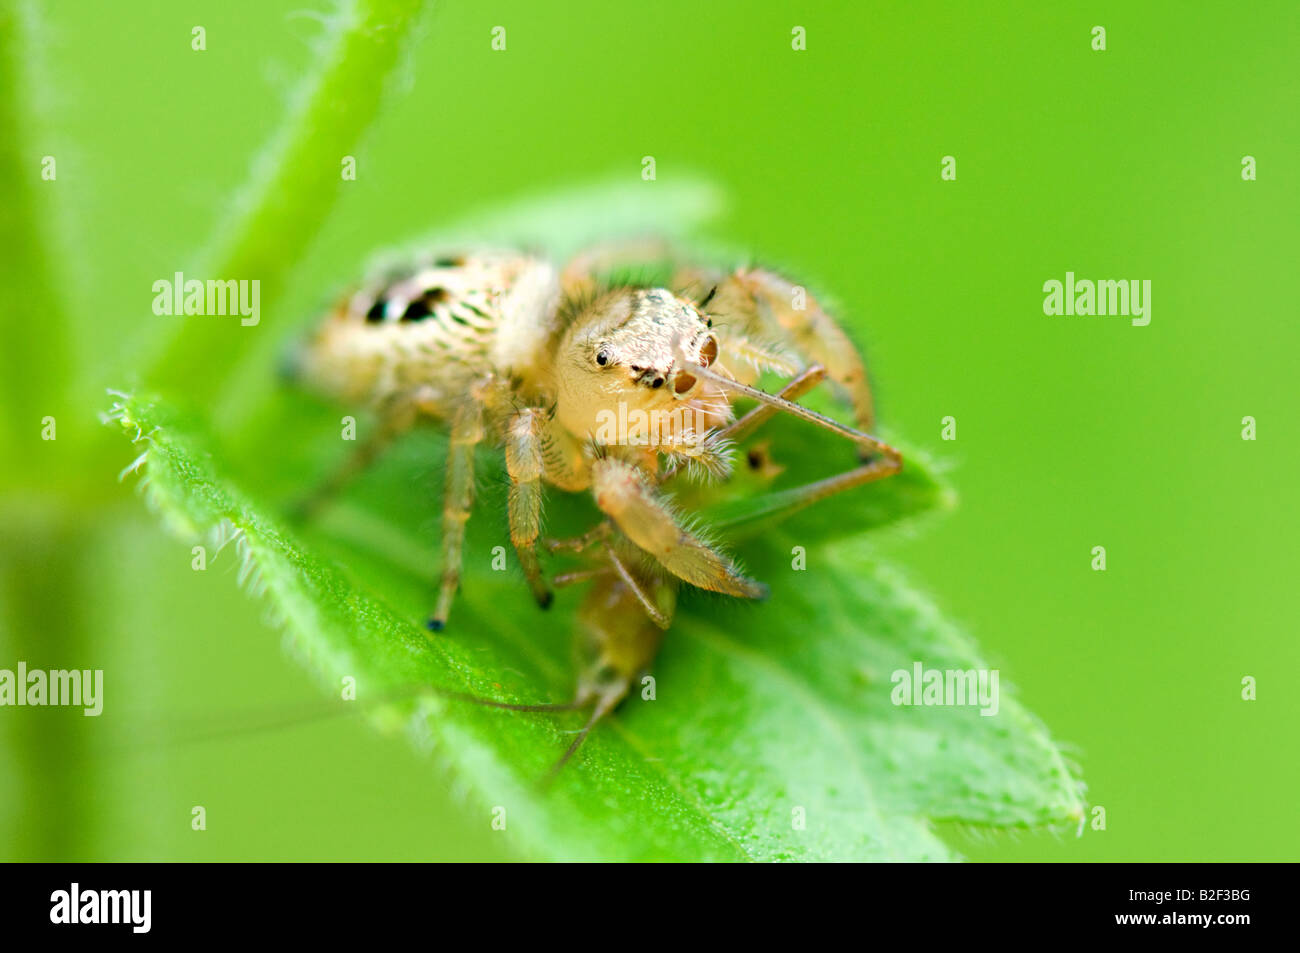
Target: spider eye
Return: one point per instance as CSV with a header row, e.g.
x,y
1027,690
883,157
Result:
x,y
602,357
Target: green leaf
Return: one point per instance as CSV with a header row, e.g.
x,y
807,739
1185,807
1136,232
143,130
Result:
x,y
765,714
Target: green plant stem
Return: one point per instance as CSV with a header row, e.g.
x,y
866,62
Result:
x,y
295,184
33,319
43,578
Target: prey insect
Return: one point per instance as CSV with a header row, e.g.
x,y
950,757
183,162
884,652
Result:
x,y
610,389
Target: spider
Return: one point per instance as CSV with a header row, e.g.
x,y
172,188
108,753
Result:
x,y
612,389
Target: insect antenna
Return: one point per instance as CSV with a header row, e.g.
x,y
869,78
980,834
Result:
x,y
867,443
245,723
509,706
597,713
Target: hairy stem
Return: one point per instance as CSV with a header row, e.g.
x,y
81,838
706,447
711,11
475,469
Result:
x,y
295,183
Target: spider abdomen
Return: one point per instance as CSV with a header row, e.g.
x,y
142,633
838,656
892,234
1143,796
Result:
x,y
434,328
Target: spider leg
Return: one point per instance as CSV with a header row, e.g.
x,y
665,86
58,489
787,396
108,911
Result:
x,y
561,580
525,465
869,447
466,434
879,459
742,427
579,544
760,305
751,357
631,500
656,614
796,498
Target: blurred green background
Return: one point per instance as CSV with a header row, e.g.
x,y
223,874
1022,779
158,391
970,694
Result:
x,y
1072,432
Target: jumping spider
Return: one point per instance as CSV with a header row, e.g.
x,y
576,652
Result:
x,y
612,389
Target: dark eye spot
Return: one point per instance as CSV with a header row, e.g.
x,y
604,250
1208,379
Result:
x,y
602,358
416,310
657,382
423,306
755,459
376,312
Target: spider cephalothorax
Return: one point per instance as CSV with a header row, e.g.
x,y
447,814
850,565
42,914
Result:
x,y
631,357
612,390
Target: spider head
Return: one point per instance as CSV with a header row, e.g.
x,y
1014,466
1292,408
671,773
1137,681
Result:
x,y
627,357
